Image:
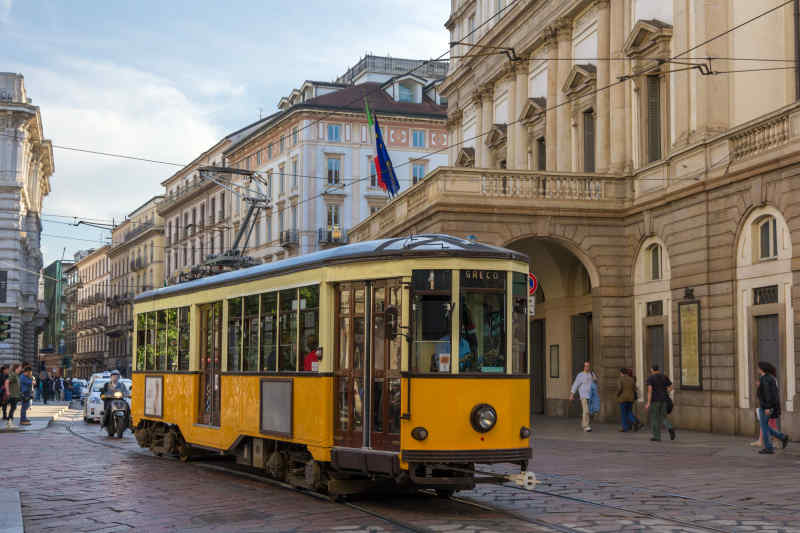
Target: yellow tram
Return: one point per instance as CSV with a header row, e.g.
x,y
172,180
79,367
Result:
x,y
335,371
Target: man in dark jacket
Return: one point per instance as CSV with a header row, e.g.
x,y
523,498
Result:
x,y
769,406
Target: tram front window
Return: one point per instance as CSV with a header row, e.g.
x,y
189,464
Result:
x,y
483,322
432,333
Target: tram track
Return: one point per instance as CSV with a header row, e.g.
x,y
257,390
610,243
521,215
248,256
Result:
x,y
404,525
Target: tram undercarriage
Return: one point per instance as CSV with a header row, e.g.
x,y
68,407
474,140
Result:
x,y
350,471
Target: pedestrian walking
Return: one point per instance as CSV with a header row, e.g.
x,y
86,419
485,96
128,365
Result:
x,y
769,406
47,387
626,395
68,390
583,386
658,388
26,392
13,389
3,391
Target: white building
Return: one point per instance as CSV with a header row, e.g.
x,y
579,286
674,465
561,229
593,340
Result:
x,y
317,152
26,164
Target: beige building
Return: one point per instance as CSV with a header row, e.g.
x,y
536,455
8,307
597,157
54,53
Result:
x,y
91,281
316,152
658,201
136,261
200,219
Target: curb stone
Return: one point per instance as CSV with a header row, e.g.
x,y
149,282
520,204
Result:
x,y
10,511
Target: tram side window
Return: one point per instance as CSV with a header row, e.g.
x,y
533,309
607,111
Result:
x,y
161,340
310,350
431,317
483,321
172,339
234,333
250,334
519,336
269,331
141,342
287,331
150,342
183,338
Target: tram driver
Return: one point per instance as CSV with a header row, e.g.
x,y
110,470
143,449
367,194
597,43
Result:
x,y
312,359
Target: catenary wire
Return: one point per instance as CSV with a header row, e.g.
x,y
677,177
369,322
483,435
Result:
x,y
624,79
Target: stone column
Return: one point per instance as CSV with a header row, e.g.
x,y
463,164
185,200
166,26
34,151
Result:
x,y
564,155
712,92
603,75
512,115
487,98
681,98
617,93
551,118
480,158
520,140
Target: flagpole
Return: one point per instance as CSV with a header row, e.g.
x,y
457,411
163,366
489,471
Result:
x,y
374,143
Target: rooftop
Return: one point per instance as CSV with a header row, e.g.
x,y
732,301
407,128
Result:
x,y
394,66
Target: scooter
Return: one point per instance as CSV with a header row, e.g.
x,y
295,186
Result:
x,y
120,417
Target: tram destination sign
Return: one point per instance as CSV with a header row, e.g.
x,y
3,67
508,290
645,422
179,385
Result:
x,y
483,279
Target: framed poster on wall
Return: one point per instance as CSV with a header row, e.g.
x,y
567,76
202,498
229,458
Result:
x,y
689,334
554,361
154,396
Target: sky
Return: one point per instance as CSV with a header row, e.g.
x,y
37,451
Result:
x,y
166,80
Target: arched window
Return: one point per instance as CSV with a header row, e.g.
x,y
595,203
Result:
x,y
767,237
653,263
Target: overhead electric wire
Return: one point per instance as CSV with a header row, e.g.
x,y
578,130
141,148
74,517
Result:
x,y
550,108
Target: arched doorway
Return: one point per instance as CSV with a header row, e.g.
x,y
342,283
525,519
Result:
x,y
764,313
652,302
561,328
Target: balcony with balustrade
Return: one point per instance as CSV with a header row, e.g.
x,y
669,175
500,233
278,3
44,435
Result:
x,y
490,191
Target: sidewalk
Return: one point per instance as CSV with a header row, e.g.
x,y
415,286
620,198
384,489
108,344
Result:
x,y
555,429
40,416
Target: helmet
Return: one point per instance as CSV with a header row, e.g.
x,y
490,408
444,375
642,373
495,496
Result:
x,y
115,373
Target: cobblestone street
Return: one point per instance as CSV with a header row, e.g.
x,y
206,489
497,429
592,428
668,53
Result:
x,y
76,479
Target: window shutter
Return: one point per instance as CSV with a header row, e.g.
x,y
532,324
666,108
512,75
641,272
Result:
x,y
653,119
541,154
588,141
765,239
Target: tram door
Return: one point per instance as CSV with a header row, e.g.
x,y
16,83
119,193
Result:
x,y
210,358
367,415
385,368
349,364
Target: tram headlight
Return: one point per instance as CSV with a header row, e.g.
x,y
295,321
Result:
x,y
419,433
525,432
483,418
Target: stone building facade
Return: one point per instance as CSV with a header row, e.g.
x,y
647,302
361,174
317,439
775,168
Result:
x,y
26,164
92,277
659,203
136,264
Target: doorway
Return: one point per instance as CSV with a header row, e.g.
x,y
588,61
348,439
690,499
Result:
x,y
768,345
367,416
581,352
210,358
538,366
654,348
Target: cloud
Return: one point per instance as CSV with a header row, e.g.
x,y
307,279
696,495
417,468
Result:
x,y
111,108
5,11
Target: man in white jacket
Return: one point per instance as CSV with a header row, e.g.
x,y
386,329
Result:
x,y
583,386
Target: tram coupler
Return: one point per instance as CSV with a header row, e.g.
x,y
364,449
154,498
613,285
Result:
x,y
526,480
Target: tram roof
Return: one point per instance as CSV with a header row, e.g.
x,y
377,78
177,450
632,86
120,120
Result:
x,y
414,246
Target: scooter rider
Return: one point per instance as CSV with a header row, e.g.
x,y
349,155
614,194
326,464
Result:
x,y
112,386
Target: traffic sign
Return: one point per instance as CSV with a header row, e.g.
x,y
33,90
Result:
x,y
531,305
533,284
5,327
